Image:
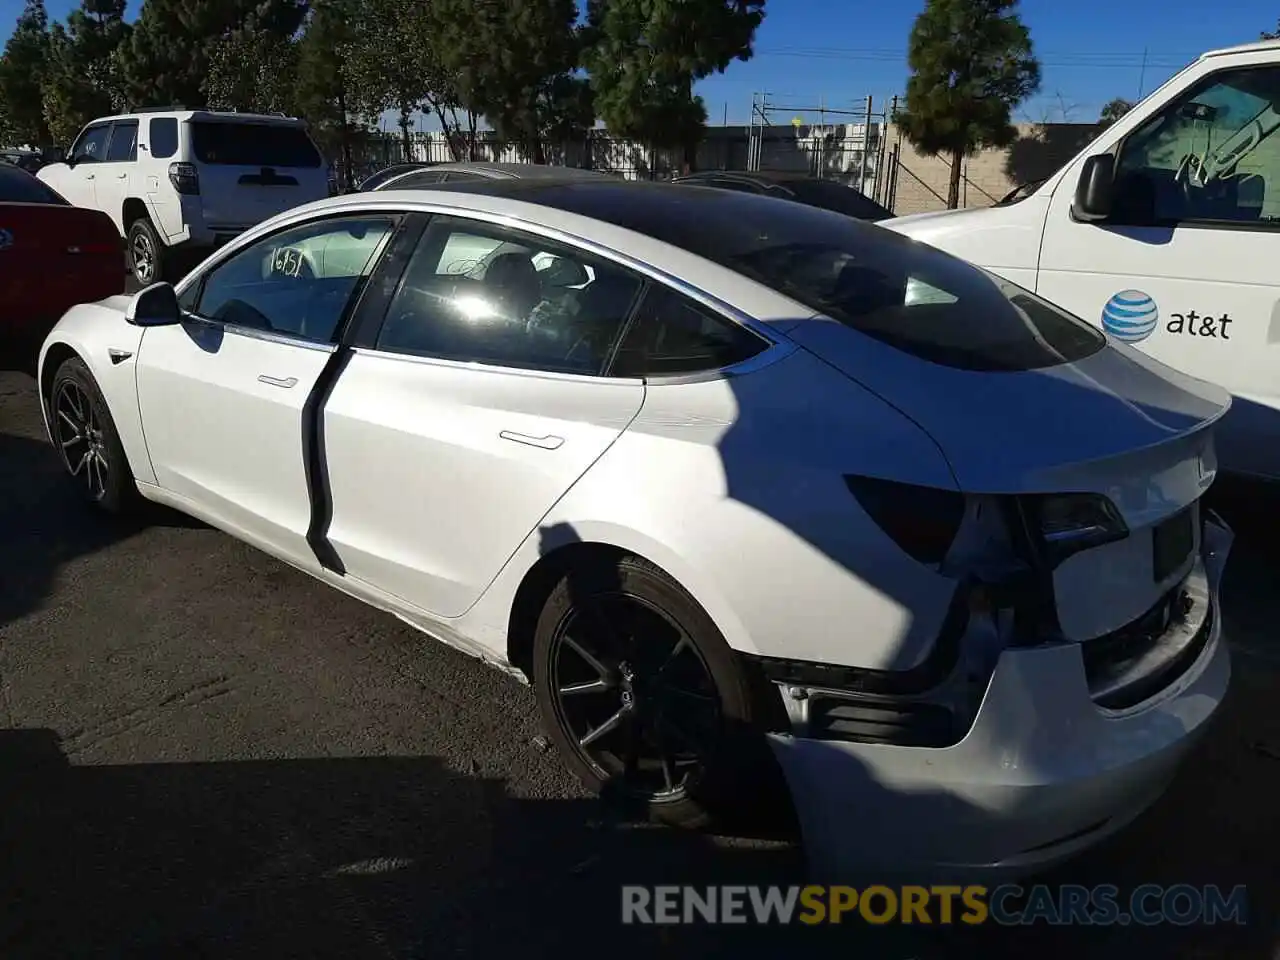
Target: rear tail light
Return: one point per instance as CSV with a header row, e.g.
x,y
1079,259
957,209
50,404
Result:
x,y
1071,522
184,178
923,521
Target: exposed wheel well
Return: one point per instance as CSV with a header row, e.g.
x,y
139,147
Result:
x,y
134,209
536,587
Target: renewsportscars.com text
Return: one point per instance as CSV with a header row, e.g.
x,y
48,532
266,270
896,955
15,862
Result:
x,y
1007,905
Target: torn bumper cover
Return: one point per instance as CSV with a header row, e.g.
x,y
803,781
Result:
x,y
1069,742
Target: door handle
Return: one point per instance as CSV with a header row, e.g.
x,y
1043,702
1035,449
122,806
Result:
x,y
549,442
285,382
122,176
90,176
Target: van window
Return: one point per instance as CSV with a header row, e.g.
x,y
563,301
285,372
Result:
x,y
123,147
1212,155
252,144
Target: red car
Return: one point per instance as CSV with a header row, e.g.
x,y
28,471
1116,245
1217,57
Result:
x,y
52,256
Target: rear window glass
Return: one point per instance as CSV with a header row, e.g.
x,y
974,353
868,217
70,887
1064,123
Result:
x,y
901,292
18,186
921,301
253,145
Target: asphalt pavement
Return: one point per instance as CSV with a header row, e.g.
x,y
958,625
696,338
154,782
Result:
x,y
204,753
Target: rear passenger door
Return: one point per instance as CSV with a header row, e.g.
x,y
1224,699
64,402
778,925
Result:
x,y
469,406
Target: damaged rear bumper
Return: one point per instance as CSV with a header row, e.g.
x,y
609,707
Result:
x,y
1066,747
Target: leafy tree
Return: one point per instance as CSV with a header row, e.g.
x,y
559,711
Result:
x,y
323,93
83,80
252,68
644,56
390,63
23,68
971,65
1114,110
172,44
514,62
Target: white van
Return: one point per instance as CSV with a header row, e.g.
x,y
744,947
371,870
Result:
x,y
1165,232
185,181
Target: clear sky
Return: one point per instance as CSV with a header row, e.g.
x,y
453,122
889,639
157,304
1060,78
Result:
x,y
811,53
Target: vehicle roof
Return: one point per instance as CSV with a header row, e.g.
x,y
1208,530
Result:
x,y
700,220
523,171
211,115
1243,48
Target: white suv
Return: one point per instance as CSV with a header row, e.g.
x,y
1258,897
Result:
x,y
186,181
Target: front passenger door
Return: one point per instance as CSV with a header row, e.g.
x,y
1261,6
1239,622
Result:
x,y
479,402
224,395
76,179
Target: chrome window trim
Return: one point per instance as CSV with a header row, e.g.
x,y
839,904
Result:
x,y
762,359
269,336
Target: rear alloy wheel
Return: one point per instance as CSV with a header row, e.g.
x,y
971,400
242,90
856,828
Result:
x,y
146,254
640,692
87,442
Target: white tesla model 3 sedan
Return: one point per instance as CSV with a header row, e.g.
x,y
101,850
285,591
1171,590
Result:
x,y
712,470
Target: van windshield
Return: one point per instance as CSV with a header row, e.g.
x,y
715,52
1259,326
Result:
x,y
252,144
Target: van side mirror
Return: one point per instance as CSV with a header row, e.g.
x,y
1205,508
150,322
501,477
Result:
x,y
156,306
1094,189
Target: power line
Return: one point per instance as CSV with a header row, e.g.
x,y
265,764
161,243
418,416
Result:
x,y
1098,60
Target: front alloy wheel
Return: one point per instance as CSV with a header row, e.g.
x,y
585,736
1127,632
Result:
x,y
87,441
81,440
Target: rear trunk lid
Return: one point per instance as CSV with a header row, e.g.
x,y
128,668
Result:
x,y
250,169
1115,423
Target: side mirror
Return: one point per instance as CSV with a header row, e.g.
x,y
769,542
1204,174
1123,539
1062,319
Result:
x,y
1094,189
156,306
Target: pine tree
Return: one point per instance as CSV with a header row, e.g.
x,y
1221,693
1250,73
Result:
x,y
83,80
971,65
513,63
169,53
23,69
644,57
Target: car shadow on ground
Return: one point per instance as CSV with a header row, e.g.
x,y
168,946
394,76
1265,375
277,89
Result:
x,y
44,524
342,858
360,857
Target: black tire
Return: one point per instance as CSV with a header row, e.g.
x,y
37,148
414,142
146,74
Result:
x,y
634,583
149,259
90,449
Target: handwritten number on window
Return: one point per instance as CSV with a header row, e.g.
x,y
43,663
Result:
x,y
287,262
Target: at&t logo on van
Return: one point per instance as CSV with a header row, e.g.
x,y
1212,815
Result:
x,y
1130,316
